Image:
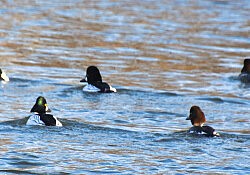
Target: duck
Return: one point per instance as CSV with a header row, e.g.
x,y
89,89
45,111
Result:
x,y
3,76
245,71
39,116
198,120
94,81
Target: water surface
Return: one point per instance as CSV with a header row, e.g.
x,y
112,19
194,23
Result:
x,y
163,57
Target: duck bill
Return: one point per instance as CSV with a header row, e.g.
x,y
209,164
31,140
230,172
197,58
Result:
x,y
84,80
188,118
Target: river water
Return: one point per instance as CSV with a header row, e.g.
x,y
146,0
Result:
x,y
162,56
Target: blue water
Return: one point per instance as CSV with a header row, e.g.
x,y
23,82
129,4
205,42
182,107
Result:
x,y
162,57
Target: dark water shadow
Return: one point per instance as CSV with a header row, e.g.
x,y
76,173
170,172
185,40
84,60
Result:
x,y
18,172
222,100
76,127
72,90
184,135
21,82
243,80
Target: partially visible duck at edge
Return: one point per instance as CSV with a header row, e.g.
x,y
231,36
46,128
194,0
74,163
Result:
x,y
245,71
198,119
3,76
39,116
95,83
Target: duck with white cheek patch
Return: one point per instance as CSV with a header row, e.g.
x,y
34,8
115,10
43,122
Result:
x,y
198,119
39,116
95,83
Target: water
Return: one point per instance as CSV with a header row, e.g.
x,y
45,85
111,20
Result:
x,y
163,57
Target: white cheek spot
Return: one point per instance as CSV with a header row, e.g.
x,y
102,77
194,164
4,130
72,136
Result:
x,y
46,108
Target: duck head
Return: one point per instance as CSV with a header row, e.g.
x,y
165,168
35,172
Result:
x,y
246,67
92,75
40,106
196,116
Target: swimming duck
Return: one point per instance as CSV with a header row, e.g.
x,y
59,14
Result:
x,y
39,116
94,80
245,71
198,119
3,76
